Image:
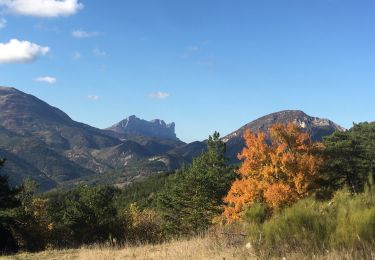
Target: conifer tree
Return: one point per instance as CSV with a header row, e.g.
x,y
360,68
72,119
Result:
x,y
350,158
193,195
8,202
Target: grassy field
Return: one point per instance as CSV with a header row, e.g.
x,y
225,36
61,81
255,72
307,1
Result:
x,y
197,248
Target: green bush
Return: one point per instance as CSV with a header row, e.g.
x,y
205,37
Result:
x,y
144,226
355,219
86,215
257,214
306,224
345,222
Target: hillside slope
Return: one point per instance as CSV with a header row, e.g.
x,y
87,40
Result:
x,y
45,144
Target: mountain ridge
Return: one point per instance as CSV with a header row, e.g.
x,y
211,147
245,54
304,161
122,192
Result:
x,y
44,143
34,133
315,126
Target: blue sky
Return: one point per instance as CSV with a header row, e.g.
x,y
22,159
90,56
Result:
x,y
205,64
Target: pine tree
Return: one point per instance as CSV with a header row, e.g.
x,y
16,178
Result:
x,y
350,158
8,202
193,195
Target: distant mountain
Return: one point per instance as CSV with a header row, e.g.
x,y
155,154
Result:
x,y
316,127
45,144
134,126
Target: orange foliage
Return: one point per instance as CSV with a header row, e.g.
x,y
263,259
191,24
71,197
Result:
x,y
277,173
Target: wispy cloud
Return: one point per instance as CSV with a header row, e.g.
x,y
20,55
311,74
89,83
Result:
x,y
99,53
42,8
46,79
84,34
93,97
192,48
159,95
16,51
3,23
46,28
190,51
76,55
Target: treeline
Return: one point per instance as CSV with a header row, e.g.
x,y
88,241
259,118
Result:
x,y
288,192
82,216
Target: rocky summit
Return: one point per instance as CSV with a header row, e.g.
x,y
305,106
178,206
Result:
x,y
315,126
134,126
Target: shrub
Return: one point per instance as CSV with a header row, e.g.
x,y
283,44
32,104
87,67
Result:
x,y
307,224
83,216
257,213
355,219
345,222
144,226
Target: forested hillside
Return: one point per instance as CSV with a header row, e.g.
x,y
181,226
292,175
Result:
x,y
289,193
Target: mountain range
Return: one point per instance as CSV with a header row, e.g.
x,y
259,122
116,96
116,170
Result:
x,y
44,144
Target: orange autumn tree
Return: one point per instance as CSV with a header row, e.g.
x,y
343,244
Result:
x,y
277,171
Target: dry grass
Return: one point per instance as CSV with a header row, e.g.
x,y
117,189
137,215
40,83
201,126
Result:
x,y
197,248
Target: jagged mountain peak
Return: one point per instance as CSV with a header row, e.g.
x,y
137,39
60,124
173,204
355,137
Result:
x,y
135,126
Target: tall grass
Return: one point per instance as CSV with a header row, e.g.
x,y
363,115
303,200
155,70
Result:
x,y
205,247
196,248
355,220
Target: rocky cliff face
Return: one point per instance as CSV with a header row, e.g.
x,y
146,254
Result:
x,y
135,126
316,127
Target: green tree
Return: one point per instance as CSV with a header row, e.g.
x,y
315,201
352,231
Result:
x,y
350,158
31,220
193,196
85,215
8,203
20,217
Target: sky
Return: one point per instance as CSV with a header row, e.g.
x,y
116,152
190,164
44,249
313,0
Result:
x,y
204,64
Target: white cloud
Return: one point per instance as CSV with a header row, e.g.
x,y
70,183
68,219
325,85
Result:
x,y
159,95
16,51
93,97
99,53
47,79
3,23
84,34
42,8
